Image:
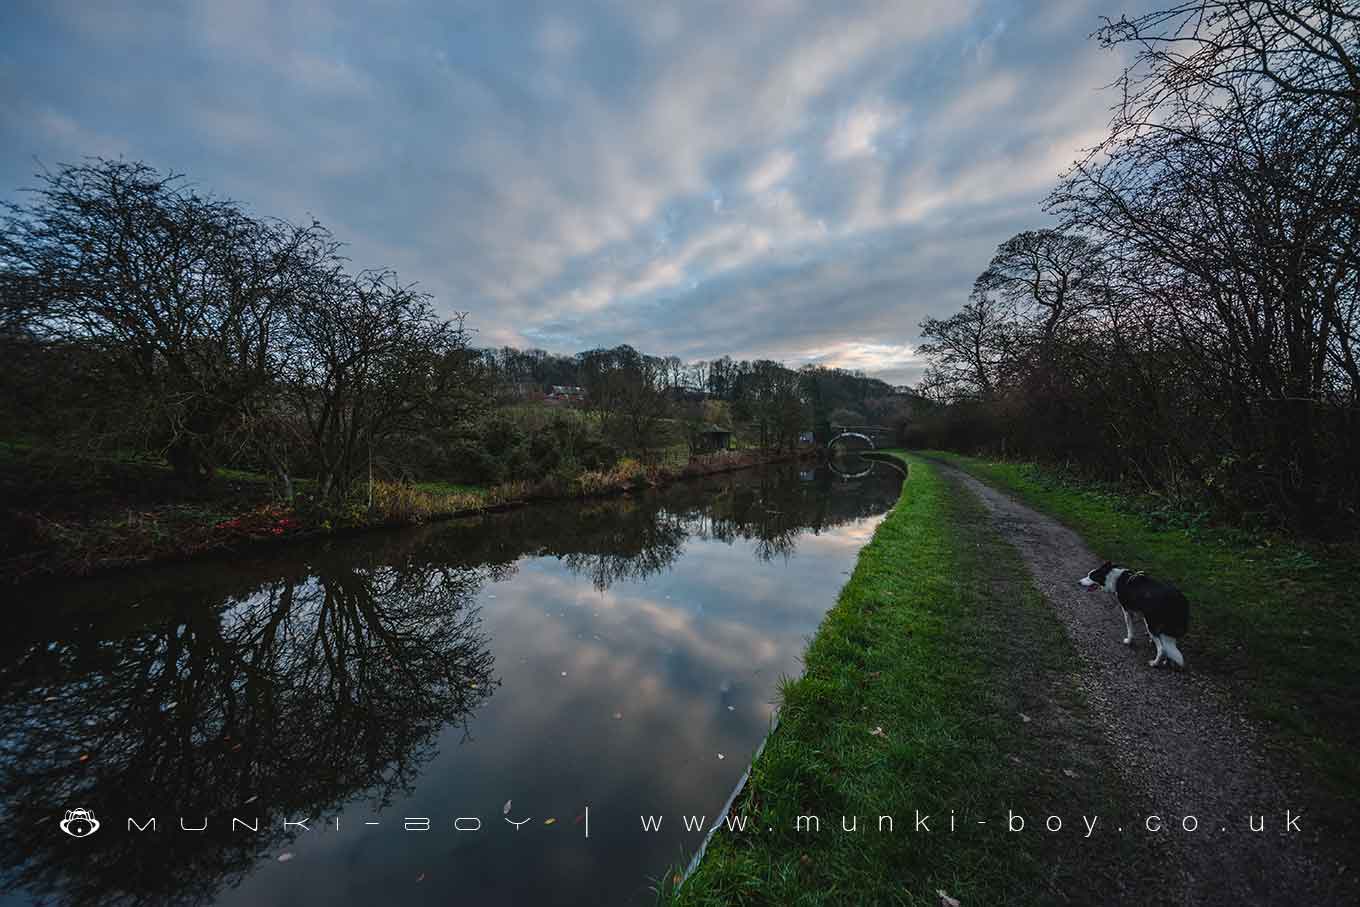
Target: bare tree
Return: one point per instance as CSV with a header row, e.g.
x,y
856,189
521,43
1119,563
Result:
x,y
179,293
1047,278
373,360
1205,284
1189,53
968,350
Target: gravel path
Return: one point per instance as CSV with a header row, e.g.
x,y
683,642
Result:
x,y
1183,746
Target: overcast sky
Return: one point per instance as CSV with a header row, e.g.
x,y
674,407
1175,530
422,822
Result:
x,y
795,180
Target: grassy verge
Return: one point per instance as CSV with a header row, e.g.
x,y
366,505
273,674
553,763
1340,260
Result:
x,y
925,690
1276,618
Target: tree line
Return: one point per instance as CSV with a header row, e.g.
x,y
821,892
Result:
x,y
642,406
142,317
832,394
1192,321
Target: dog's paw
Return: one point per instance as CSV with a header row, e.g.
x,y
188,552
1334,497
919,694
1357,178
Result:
x,y
1154,663
1127,640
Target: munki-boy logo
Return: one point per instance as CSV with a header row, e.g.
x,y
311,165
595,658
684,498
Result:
x,y
79,823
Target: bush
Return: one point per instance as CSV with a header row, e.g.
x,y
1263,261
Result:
x,y
501,449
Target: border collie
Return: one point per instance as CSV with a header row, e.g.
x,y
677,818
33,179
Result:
x,y
1165,612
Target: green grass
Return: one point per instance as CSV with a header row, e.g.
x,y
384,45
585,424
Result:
x,y
912,647
1275,618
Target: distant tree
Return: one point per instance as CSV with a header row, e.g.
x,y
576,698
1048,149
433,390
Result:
x,y
697,376
642,400
846,416
775,400
791,414
628,391
1045,278
898,412
968,350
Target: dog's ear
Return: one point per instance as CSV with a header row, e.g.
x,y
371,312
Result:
x,y
1107,565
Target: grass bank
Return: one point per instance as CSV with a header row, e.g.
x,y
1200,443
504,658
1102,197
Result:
x,y
925,690
1276,618
65,516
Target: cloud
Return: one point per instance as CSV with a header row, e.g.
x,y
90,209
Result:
x,y
782,178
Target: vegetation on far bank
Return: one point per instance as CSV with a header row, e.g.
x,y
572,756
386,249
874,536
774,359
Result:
x,y
912,699
183,375
120,513
1275,617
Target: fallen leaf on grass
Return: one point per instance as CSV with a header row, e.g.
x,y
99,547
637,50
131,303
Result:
x,y
505,810
549,821
85,758
721,756
1069,773
946,900
878,732
1025,718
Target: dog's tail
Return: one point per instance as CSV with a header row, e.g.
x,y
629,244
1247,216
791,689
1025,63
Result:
x,y
1173,653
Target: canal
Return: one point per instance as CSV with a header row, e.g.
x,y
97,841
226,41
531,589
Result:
x,y
473,712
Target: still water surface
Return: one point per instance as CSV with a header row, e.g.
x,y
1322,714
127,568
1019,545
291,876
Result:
x,y
621,655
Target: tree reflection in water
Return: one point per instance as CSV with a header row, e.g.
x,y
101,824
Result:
x,y
279,701
284,688
634,538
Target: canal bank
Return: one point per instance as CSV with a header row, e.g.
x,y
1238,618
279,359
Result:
x,y
43,545
935,693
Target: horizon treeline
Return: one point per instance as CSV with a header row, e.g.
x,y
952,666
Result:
x,y
140,318
1192,323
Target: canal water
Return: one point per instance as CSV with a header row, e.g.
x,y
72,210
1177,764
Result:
x,y
475,712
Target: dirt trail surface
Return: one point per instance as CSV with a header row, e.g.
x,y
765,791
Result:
x,y
1182,745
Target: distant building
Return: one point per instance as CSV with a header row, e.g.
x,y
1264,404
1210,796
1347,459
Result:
x,y
714,437
566,392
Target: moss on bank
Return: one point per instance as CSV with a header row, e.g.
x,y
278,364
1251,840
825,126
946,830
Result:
x,y
924,690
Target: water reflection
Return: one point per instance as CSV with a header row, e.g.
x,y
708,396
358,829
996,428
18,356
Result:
x,y
281,695
348,676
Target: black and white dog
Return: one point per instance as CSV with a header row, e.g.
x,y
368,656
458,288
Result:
x,y
1165,612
